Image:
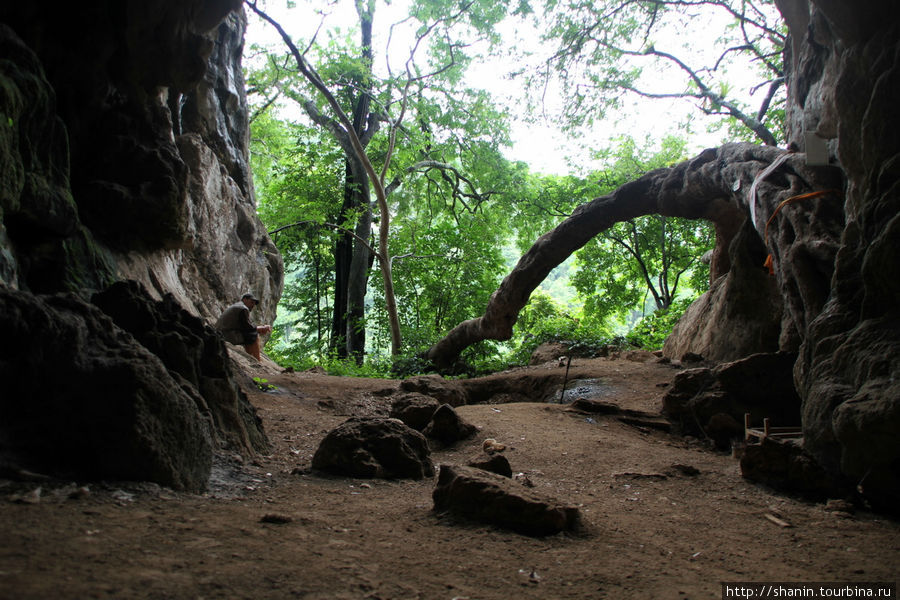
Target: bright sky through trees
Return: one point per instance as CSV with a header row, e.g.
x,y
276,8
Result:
x,y
537,139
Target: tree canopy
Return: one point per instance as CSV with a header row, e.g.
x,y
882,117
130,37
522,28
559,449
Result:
x,y
449,208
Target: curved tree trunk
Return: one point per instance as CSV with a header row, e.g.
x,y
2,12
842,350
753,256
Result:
x,y
715,186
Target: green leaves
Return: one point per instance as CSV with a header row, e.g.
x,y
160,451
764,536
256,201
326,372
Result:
x,y
665,50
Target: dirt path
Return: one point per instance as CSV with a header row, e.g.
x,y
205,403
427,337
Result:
x,y
273,529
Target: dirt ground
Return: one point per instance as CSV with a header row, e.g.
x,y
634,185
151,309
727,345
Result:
x,y
271,528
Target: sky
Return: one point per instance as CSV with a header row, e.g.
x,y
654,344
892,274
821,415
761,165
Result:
x,y
541,145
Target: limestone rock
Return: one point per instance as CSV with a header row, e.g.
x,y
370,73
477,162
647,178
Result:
x,y
496,500
414,409
447,427
493,463
192,349
739,315
712,401
134,164
445,391
547,352
374,447
785,467
848,365
43,245
83,398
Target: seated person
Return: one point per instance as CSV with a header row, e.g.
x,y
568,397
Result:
x,y
237,328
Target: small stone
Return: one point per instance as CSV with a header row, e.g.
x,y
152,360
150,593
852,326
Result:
x,y
838,505
496,463
275,519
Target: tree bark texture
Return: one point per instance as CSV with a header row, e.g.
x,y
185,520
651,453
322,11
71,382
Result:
x,y
348,327
715,185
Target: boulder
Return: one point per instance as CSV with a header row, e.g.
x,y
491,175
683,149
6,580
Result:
x,y
194,350
83,398
447,427
711,402
784,466
373,447
445,391
547,352
489,498
414,409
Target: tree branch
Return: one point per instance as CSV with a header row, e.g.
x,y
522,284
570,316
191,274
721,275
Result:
x,y
330,226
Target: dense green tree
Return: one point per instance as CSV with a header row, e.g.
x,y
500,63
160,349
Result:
x,y
419,123
649,258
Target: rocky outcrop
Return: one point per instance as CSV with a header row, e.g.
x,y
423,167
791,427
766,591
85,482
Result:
x,y
133,163
43,245
123,155
711,403
836,260
195,355
846,81
94,402
740,314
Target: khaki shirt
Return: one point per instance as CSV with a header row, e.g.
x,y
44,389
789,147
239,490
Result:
x,y
235,324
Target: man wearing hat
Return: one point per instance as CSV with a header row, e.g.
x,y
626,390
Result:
x,y
237,328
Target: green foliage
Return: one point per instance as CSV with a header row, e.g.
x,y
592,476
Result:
x,y
545,320
652,330
456,207
264,385
652,257
607,51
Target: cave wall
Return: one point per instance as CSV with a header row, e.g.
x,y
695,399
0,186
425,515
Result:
x,y
127,223
127,133
837,266
848,373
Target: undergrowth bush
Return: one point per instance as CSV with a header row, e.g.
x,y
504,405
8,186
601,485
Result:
x,y
651,332
542,321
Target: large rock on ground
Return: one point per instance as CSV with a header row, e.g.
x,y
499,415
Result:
x,y
82,398
195,352
489,498
374,447
414,409
712,402
494,463
786,467
447,427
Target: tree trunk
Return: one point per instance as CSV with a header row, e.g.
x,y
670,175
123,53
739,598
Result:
x,y
343,255
358,275
715,186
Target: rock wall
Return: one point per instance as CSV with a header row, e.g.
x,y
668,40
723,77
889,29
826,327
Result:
x,y
837,267
848,373
126,134
124,156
